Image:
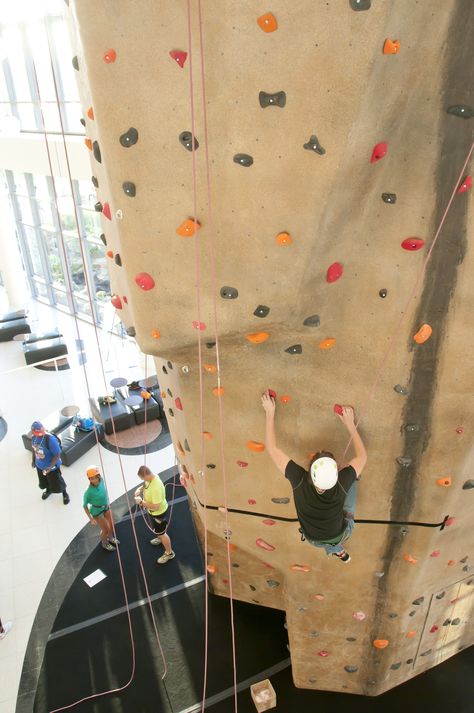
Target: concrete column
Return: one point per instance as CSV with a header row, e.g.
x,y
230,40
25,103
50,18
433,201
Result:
x,y
10,258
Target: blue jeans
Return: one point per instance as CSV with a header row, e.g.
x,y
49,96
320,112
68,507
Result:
x,y
348,507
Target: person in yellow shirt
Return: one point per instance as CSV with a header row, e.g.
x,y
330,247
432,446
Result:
x,y
152,496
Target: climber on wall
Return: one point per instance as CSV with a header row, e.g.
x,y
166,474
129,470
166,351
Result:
x,y
324,498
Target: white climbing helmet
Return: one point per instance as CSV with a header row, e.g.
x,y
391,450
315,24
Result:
x,y
324,473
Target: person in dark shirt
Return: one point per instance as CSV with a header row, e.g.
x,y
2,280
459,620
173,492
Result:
x,y
324,497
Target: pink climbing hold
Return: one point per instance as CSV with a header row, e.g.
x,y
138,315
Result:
x,y
435,553
125,300
465,185
251,501
145,281
106,211
264,545
116,301
449,521
242,463
379,151
178,404
337,408
199,326
334,272
179,57
323,653
413,244
359,615
269,522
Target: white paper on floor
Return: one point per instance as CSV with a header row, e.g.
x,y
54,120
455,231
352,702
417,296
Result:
x,y
94,578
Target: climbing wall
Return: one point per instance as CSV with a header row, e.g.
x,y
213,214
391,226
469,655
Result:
x,y
285,194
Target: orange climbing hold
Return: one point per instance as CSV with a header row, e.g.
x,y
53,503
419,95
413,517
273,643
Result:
x,y
257,337
285,399
423,334
110,56
218,390
232,547
207,435
181,450
284,239
88,143
264,545
445,482
267,22
211,568
256,446
210,368
380,643
327,343
300,568
163,394
410,634
410,559
155,333
109,253
391,46
188,228
90,113
451,563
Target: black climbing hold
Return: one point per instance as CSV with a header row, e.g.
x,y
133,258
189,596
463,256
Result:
x,y
170,411
280,501
75,63
295,349
277,99
169,393
412,613
396,666
400,389
254,589
360,4
211,466
404,531
118,260
389,197
312,321
426,653
210,345
471,581
131,331
82,121
129,138
467,568
446,622
351,638
234,564
243,159
464,559
103,238
462,110
165,371
412,427
392,615
186,140
468,485
96,151
351,669
95,182
186,445
272,583
440,595
98,207
261,311
129,189
418,601
229,293
409,661
403,461
383,293
314,145
169,364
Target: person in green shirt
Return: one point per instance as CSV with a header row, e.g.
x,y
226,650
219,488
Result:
x,y
96,507
152,496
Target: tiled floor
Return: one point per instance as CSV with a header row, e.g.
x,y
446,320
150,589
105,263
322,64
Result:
x,y
34,533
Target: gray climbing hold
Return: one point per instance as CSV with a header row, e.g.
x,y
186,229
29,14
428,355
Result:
x,y
312,680
129,138
281,501
351,638
412,613
412,427
243,159
131,331
261,311
404,462
464,559
170,365
389,198
426,653
294,349
440,595
302,609
171,412
418,601
186,140
312,321
83,122
462,110
467,568
169,392
351,669
471,581
96,151
277,99
360,4
254,589
396,666
446,622
129,189
379,574
314,634
211,466
468,485
404,531
103,238
118,260
95,182
229,293
272,583
165,371
383,293
392,615
186,445
75,63
400,389
98,207
314,145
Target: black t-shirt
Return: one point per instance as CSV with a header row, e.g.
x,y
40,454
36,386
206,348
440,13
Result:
x,y
321,515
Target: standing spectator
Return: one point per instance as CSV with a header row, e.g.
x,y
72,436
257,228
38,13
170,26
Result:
x,y
96,507
152,496
47,460
4,629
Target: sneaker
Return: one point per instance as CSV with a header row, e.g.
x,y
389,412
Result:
x,y
164,558
155,541
6,628
343,556
114,541
66,498
45,495
108,547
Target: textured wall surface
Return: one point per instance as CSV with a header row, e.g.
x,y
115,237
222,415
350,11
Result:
x,y
239,306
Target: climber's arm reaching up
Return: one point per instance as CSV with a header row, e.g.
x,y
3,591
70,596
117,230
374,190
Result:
x,y
278,457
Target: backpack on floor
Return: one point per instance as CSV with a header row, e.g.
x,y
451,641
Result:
x,y
47,437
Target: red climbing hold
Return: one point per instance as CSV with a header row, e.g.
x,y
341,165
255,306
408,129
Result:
x,y
251,501
337,408
465,185
145,281
178,404
449,521
116,301
334,272
323,653
179,57
199,326
110,56
125,300
271,393
379,151
264,545
435,553
106,211
434,629
269,522
413,244
242,463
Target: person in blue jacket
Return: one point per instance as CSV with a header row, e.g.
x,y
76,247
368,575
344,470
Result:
x,y
47,461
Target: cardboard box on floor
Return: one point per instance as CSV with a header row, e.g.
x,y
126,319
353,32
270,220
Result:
x,y
263,695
